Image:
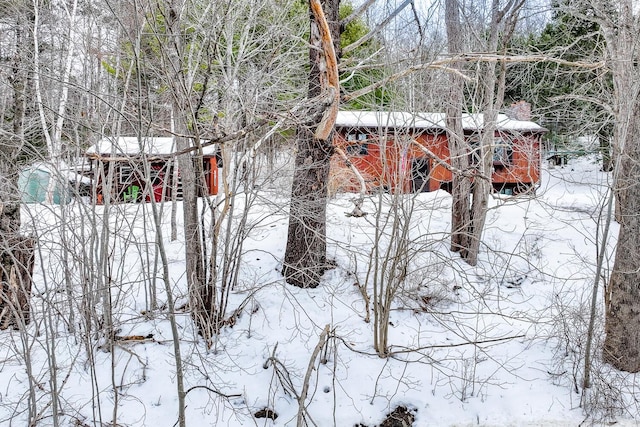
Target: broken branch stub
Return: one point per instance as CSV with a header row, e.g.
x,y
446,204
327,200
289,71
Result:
x,y
329,81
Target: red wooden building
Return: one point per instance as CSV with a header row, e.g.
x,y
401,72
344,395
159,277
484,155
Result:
x,y
130,169
409,152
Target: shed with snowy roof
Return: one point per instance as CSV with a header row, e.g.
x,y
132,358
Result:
x,y
131,169
409,152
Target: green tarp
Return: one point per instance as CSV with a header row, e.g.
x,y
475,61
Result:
x,y
33,183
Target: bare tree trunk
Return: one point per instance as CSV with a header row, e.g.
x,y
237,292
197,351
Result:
x,y
458,150
492,91
16,251
622,343
468,221
305,256
604,139
482,186
193,249
16,269
622,326
201,293
622,296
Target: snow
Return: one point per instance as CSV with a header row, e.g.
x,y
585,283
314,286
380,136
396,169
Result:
x,y
421,120
393,119
130,145
498,344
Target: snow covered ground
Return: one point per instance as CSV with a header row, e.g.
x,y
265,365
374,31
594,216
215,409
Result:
x,y
499,344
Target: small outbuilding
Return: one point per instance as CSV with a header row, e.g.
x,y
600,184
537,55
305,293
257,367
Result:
x,y
40,178
409,152
131,169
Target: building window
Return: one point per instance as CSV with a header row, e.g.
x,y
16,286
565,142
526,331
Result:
x,y
126,174
502,152
358,149
357,136
157,174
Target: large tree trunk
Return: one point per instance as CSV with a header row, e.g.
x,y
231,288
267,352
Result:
x,y
622,295
306,254
16,269
622,343
16,251
460,185
305,257
201,292
492,91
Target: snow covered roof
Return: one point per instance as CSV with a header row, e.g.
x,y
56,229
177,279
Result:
x,y
391,119
132,146
396,119
504,122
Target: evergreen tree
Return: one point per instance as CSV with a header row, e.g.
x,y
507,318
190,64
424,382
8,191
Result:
x,y
565,95
354,76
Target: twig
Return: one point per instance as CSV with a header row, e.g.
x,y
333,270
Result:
x,y
428,347
356,172
469,173
461,344
446,65
307,377
228,396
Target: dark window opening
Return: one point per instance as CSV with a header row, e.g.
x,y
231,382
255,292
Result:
x,y
420,175
502,152
358,149
126,174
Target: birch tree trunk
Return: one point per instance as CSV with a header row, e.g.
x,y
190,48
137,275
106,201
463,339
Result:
x,y
305,259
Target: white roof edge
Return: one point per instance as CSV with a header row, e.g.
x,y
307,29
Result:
x,y
423,120
132,145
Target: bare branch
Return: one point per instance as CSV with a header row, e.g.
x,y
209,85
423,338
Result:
x,y
341,153
307,377
227,396
487,57
445,64
356,13
584,98
467,173
353,46
367,89
461,344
